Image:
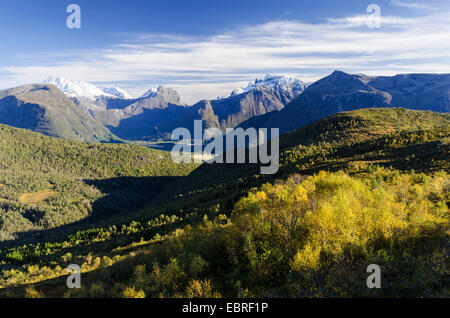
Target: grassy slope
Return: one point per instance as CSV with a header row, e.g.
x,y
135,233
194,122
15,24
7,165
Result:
x,y
350,141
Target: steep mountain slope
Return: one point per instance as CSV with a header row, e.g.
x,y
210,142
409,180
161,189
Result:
x,y
151,92
264,95
131,118
159,99
287,86
45,109
344,92
138,119
157,112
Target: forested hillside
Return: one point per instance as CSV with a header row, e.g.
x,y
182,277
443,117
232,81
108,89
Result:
x,y
48,182
358,188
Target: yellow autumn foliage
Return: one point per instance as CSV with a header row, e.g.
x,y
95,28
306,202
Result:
x,y
330,212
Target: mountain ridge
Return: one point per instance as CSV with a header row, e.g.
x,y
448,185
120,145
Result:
x,y
44,108
345,92
272,102
156,121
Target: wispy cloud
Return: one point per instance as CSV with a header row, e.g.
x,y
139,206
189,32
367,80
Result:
x,y
212,66
411,4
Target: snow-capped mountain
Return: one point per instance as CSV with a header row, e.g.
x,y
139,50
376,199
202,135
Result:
x,y
118,92
341,92
49,111
150,93
282,83
77,88
86,90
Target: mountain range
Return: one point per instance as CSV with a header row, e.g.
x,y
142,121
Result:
x,y
83,111
258,98
340,92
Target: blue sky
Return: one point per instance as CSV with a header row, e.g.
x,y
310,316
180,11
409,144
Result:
x,y
205,48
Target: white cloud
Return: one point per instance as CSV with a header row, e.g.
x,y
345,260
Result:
x,y
209,67
405,4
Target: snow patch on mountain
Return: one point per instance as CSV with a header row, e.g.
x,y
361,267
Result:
x,y
118,92
272,81
77,89
152,92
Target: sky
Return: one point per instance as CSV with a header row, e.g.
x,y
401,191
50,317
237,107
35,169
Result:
x,y
207,48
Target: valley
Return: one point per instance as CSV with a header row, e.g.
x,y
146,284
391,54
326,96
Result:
x,y
224,230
